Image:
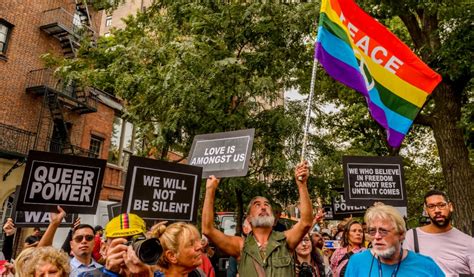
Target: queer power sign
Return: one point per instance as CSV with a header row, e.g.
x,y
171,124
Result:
x,y
371,179
50,179
222,154
158,190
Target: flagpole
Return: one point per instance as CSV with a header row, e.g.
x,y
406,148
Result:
x,y
308,109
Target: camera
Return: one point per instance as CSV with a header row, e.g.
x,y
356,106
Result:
x,y
305,270
147,250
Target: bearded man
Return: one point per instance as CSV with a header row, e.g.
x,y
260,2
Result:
x,y
264,252
387,258
451,249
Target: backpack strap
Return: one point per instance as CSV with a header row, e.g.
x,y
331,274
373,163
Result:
x,y
415,241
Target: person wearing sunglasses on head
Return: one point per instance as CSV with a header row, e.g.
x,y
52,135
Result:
x,y
451,249
82,244
387,258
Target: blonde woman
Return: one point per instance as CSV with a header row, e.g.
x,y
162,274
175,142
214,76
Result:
x,y
181,244
47,261
21,260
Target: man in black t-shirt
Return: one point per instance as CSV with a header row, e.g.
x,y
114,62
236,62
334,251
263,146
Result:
x,y
33,240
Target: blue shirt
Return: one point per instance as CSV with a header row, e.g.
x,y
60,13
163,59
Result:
x,y
102,272
365,264
77,267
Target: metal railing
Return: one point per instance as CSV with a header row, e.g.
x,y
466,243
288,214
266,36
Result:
x,y
56,146
44,77
41,77
15,140
67,21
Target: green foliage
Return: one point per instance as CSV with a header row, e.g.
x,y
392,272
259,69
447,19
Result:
x,y
186,68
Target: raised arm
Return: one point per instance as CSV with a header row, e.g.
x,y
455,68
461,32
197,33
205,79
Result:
x,y
296,233
228,244
55,220
9,230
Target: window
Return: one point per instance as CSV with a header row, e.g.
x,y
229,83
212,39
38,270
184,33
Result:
x,y
108,21
5,30
95,146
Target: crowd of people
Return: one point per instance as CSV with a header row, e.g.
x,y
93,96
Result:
x,y
378,246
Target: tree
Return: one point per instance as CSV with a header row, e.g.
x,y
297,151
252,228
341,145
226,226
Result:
x,y
186,68
442,34
191,68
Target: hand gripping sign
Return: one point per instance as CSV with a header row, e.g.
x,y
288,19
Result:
x,y
51,179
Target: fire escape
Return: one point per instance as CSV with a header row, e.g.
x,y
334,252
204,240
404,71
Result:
x,y
70,29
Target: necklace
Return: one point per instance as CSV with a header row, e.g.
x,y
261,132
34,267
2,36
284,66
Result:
x,y
379,263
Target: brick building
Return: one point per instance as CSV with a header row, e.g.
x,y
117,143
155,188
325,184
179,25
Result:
x,y
40,111
113,19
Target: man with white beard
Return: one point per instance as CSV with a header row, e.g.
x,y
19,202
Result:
x,y
387,257
264,252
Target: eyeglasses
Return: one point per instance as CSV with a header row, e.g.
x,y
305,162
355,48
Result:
x,y
440,206
382,232
79,238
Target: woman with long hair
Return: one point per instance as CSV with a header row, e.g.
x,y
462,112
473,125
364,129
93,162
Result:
x,y
352,242
308,261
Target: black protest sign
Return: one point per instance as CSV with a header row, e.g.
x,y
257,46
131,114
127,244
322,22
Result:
x,y
37,218
114,210
51,179
328,213
40,219
341,209
159,190
374,179
222,154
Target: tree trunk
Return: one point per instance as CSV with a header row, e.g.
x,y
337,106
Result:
x,y
457,170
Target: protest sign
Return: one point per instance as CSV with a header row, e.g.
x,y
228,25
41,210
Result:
x,y
36,218
222,154
328,212
341,209
371,179
114,210
159,190
52,179
40,219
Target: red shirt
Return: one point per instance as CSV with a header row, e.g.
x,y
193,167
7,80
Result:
x,y
96,250
206,266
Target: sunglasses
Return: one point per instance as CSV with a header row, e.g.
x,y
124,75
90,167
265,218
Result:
x,y
79,238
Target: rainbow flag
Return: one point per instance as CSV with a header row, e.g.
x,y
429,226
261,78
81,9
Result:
x,y
361,53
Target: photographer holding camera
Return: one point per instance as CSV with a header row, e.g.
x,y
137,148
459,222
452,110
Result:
x,y
127,251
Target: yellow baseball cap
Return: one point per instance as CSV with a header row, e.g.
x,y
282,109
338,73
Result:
x,y
125,225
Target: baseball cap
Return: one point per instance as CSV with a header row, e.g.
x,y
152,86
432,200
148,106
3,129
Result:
x,y
125,225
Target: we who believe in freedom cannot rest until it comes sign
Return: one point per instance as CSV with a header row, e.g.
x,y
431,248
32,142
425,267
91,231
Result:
x,y
371,179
